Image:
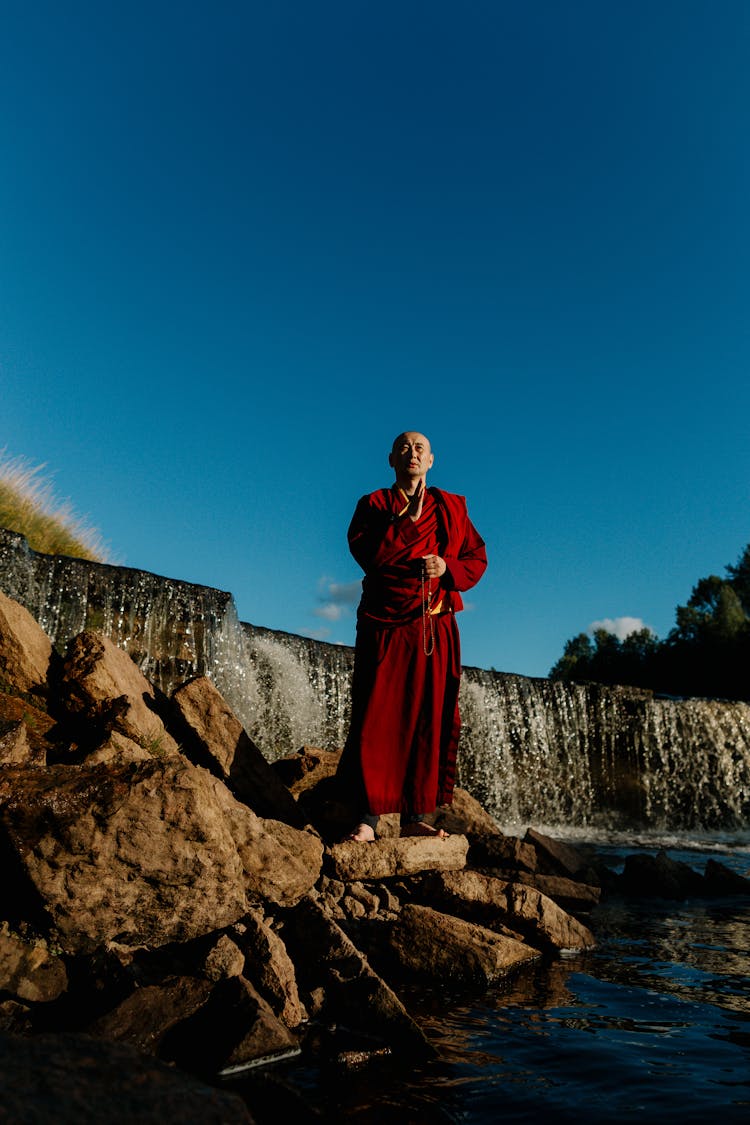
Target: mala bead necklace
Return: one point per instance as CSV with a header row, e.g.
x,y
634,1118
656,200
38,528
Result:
x,y
428,620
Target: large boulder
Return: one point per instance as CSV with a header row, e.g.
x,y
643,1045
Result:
x,y
451,950
25,649
213,737
140,853
102,686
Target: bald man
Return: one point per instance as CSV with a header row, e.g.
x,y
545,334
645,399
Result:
x,y
419,550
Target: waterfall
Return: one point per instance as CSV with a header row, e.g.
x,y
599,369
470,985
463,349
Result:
x,y
532,750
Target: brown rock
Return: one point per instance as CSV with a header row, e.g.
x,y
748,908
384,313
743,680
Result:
x,y
452,950
234,1028
465,816
280,863
270,968
216,739
25,649
355,862
102,683
25,732
567,893
542,921
505,853
88,1081
303,770
339,983
141,853
555,856
28,970
117,747
149,1013
15,747
224,959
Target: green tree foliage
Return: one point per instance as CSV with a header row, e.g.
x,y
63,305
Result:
x,y
707,653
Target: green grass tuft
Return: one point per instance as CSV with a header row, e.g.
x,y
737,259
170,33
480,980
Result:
x,y
29,506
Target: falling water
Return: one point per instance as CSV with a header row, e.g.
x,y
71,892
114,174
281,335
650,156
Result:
x,y
532,750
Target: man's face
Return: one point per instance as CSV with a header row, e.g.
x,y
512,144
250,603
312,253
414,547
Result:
x,y
411,455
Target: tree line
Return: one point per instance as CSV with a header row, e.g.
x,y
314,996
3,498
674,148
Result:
x,y
707,653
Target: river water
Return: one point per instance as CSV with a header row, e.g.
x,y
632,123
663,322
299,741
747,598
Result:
x,y
652,1025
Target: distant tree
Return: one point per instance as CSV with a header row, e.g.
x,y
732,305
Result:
x,y
739,577
574,662
706,653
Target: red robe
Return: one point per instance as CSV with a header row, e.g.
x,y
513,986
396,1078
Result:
x,y
400,755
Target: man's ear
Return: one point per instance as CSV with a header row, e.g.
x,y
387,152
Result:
x,y
390,459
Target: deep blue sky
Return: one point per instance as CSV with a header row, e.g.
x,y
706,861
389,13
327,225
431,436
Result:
x,y
243,245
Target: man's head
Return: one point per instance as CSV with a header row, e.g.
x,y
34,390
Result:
x,y
410,457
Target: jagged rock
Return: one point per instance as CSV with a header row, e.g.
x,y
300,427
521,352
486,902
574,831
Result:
x,y
555,856
660,876
234,1027
24,731
370,902
339,983
502,852
145,1016
224,959
303,770
141,853
721,880
15,1018
567,893
270,968
452,950
101,683
25,649
544,924
80,1080
354,862
15,747
116,747
210,730
466,817
28,970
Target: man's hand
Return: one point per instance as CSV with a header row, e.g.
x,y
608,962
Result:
x,y
414,510
434,566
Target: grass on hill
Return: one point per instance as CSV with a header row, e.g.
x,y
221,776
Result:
x,y
29,506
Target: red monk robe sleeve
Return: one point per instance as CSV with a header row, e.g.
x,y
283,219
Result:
x,y
464,570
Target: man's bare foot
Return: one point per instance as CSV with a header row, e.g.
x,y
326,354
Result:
x,y
420,828
362,834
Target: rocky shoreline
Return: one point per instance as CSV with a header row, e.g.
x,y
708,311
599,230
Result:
x,y
177,911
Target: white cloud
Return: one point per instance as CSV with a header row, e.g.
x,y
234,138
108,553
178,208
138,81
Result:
x,y
346,593
338,599
622,627
330,611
